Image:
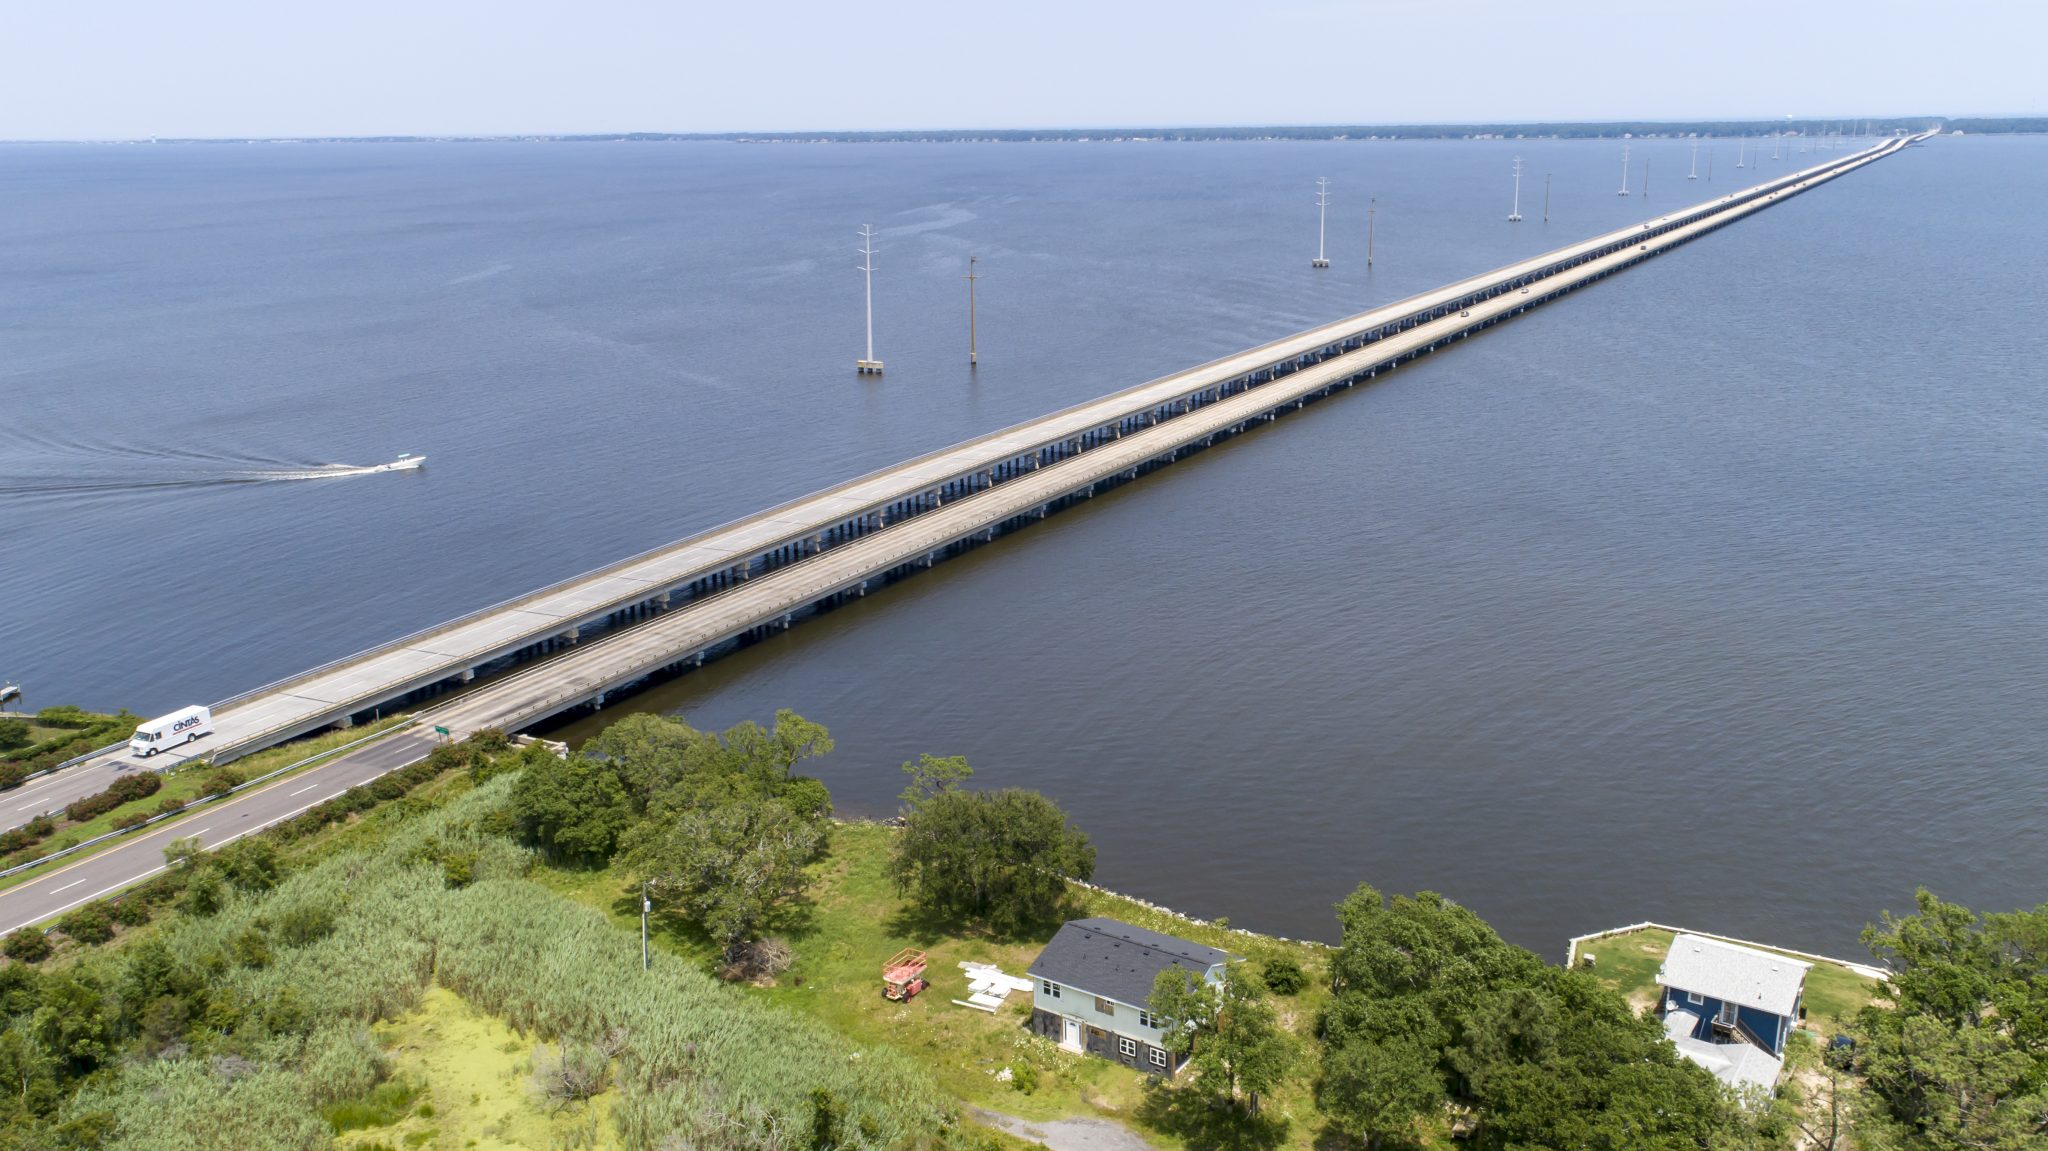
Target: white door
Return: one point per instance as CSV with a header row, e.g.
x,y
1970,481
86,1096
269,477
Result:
x,y
1072,1036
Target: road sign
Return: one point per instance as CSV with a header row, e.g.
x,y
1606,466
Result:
x,y
439,730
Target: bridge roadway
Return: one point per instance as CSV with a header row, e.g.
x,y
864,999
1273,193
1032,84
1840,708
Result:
x,y
711,563
681,636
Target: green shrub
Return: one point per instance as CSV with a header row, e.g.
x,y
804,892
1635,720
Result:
x,y
88,924
305,923
1284,976
250,864
1023,1078
130,910
222,780
205,894
251,948
125,789
27,945
14,733
26,836
65,715
342,1062
132,819
380,1106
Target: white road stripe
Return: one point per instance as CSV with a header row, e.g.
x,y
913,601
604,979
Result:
x,y
304,790
67,887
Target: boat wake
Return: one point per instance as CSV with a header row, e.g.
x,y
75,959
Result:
x,y
168,473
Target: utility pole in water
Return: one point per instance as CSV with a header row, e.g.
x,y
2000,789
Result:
x,y
1546,197
972,357
870,365
1372,207
1624,171
1322,215
1515,216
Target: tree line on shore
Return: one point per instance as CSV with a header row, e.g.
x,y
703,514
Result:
x,y
1433,1028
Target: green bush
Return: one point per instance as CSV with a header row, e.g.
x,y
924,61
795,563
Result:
x,y
27,835
125,789
1284,976
305,923
27,945
14,733
222,780
380,1106
65,715
132,819
130,910
88,924
1023,1078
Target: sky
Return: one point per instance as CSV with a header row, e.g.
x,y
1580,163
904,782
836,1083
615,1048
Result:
x,y
119,69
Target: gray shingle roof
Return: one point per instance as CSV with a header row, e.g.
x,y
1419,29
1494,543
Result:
x,y
1735,974
1116,960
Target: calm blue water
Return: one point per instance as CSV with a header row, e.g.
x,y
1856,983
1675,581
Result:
x,y
1712,594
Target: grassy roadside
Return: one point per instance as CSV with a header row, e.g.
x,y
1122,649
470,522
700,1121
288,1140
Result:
x,y
853,920
185,784
1629,962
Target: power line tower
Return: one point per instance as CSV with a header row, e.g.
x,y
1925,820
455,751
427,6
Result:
x,y
870,365
1515,216
1322,218
1624,171
973,358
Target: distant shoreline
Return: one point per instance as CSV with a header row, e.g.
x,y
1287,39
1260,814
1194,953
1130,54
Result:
x,y
1557,130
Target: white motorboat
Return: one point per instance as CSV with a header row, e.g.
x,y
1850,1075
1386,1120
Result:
x,y
404,463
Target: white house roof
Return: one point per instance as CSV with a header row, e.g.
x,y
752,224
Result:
x,y
1738,1065
1734,974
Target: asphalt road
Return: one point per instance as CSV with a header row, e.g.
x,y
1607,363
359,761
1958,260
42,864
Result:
x,y
54,792
133,860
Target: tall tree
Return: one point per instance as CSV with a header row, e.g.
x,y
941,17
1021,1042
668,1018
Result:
x,y
1380,1091
575,807
728,867
1000,857
931,774
1227,1029
797,739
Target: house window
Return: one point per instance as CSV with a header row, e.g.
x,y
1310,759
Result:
x,y
1158,1057
1051,989
1128,1046
1105,1006
1147,1019
1692,997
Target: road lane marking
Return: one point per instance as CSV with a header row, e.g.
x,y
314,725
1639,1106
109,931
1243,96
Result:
x,y
303,790
68,886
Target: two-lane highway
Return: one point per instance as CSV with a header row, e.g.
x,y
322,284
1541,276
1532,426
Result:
x,y
132,860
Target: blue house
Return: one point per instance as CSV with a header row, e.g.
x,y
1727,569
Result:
x,y
1731,1008
1092,990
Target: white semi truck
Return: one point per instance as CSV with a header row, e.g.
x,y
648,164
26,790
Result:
x,y
180,727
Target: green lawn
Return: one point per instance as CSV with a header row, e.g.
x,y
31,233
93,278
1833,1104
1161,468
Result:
x,y
1628,963
854,920
185,784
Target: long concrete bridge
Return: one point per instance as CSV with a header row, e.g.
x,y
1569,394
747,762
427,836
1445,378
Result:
x,y
678,605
